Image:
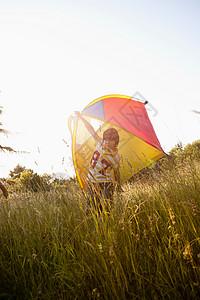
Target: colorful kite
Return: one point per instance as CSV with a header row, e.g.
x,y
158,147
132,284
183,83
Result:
x,y
138,146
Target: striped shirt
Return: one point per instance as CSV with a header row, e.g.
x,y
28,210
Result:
x,y
102,164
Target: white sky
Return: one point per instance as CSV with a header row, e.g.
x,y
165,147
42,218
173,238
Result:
x,y
58,55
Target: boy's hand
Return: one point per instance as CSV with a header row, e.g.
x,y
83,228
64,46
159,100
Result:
x,y
77,113
88,126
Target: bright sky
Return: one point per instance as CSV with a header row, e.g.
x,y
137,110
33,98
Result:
x,y
58,55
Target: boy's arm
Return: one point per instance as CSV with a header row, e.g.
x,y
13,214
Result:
x,y
88,126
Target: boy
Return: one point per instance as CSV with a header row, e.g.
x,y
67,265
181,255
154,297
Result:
x,y
105,159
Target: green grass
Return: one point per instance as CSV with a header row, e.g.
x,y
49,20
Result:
x,y
148,247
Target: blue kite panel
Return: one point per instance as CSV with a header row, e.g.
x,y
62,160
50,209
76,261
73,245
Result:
x,y
96,110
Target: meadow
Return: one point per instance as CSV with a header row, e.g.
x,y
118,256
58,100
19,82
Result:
x,y
147,247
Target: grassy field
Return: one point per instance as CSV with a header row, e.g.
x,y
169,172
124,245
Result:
x,y
148,247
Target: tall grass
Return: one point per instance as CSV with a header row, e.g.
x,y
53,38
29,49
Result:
x,y
147,247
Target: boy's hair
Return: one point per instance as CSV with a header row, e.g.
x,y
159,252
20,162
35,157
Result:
x,y
111,134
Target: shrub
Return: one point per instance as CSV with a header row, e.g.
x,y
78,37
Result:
x,y
33,182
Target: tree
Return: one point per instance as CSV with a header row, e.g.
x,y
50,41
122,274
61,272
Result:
x,y
17,171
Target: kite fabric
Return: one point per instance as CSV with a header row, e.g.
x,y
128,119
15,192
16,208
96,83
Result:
x,y
138,144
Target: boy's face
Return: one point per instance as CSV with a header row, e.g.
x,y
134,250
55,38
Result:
x,y
110,144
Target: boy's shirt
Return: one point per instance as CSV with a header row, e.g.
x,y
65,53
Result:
x,y
102,164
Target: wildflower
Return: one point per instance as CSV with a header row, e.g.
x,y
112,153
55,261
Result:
x,y
198,255
187,254
100,247
95,293
34,256
176,236
170,248
172,216
20,256
155,216
194,209
137,236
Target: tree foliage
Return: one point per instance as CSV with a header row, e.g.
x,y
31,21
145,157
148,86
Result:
x,y
31,181
22,179
189,153
17,171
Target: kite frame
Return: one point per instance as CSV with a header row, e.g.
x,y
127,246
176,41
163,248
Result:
x,y
73,132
